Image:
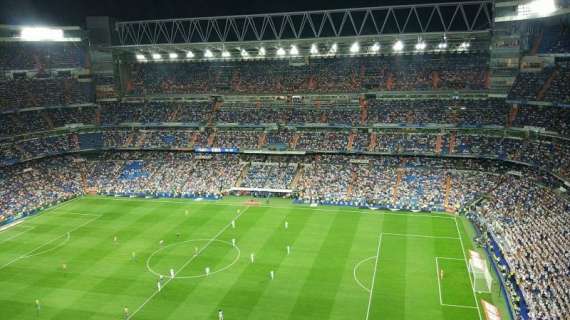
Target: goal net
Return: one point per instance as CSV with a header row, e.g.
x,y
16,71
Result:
x,y
482,279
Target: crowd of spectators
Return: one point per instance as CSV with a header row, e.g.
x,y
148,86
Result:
x,y
269,175
454,71
32,93
29,186
531,225
19,56
414,113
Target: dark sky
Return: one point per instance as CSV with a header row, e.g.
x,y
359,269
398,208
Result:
x,y
73,12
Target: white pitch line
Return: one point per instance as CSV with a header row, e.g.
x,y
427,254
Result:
x,y
419,236
438,281
31,253
469,274
186,264
374,276
19,234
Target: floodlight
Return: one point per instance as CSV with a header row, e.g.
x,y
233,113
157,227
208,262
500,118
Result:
x,y
355,47
280,52
334,48
173,55
140,57
398,46
314,49
244,53
208,54
41,34
156,56
421,45
261,51
226,54
189,54
442,45
293,51
375,47
464,46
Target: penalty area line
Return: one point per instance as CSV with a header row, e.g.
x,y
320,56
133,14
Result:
x,y
374,276
32,252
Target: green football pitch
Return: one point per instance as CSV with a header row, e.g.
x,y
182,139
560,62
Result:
x,y
91,257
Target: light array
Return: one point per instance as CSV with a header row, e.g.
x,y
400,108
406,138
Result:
x,y
355,48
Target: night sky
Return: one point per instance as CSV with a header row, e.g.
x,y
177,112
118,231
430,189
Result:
x,y
73,12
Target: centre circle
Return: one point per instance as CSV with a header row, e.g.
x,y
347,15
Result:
x,y
182,255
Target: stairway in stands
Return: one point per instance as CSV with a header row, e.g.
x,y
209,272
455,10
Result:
x,y
47,119
244,169
512,115
212,138
215,107
324,118
452,141
373,141
174,114
193,139
438,143
294,141
298,174
262,141
536,43
400,174
353,181
98,116
351,138
363,111
447,192
547,84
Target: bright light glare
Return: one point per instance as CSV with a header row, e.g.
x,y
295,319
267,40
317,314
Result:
x,y
261,51
156,56
421,46
355,47
464,46
334,48
208,53
375,47
244,53
293,51
173,55
398,46
226,54
314,49
442,45
140,57
280,52
41,34
535,8
189,54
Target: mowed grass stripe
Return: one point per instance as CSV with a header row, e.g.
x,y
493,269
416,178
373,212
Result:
x,y
317,297
306,234
351,301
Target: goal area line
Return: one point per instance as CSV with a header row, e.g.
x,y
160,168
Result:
x,y
437,275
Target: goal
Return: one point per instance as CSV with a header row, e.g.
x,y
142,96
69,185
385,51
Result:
x,y
482,279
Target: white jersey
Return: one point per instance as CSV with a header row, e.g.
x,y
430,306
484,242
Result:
x,y
220,315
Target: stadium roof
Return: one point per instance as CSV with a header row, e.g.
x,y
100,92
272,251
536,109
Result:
x,y
422,20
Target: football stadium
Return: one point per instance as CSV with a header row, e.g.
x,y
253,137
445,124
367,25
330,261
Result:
x,y
399,161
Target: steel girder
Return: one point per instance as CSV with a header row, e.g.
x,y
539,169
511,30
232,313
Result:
x,y
466,16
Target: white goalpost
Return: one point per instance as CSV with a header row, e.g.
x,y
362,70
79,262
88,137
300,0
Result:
x,y
482,279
